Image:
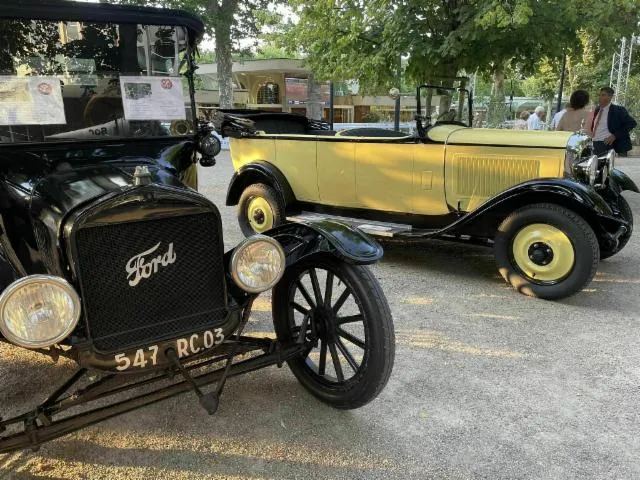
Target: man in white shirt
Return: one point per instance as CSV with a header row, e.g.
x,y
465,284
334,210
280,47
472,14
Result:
x,y
536,119
556,118
611,125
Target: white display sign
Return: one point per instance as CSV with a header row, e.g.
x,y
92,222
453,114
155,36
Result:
x,y
152,98
31,101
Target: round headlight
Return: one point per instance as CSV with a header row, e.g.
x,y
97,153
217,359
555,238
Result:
x,y
587,170
257,264
38,311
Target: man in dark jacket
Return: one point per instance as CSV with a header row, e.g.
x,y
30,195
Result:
x,y
611,125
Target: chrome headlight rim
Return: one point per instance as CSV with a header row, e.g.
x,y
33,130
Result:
x,y
579,148
22,282
587,169
236,254
611,159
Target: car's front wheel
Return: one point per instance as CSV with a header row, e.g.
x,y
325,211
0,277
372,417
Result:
x,y
340,314
260,208
546,251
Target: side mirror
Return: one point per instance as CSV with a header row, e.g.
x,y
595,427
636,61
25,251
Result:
x,y
209,146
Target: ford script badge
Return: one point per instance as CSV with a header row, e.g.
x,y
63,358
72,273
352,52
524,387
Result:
x,y
143,265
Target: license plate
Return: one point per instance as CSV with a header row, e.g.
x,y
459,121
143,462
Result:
x,y
184,347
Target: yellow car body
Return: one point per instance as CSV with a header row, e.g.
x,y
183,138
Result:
x,y
461,167
549,207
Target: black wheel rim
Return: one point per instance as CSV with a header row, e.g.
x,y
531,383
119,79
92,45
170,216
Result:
x,y
325,315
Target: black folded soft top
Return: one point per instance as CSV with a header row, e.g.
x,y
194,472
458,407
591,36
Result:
x,y
61,10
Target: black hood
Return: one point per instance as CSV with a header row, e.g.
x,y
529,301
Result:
x,y
63,190
41,187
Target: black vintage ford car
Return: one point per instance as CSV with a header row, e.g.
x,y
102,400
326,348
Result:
x,y
111,258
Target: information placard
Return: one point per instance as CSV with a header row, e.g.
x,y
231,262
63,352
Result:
x,y
153,98
31,101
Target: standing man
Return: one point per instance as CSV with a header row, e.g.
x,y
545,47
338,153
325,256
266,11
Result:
x,y
611,125
536,119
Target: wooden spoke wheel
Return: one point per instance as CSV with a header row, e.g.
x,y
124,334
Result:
x,y
339,312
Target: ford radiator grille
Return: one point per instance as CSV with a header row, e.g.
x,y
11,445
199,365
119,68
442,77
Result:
x,y
146,281
486,175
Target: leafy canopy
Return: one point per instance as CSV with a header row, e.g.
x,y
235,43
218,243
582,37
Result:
x,y
362,39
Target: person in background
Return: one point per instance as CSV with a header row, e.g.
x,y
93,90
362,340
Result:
x,y
536,119
610,125
556,118
521,121
576,116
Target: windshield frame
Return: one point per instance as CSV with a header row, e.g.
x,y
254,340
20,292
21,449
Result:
x,y
420,117
64,11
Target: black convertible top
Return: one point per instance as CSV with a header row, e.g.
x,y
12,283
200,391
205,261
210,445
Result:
x,y
243,122
62,10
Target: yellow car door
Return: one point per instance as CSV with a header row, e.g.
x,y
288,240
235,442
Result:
x,y
336,172
428,188
384,175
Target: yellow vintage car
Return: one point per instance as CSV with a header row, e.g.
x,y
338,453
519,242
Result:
x,y
550,209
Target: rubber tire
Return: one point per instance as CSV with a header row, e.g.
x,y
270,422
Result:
x,y
627,214
585,245
273,198
367,384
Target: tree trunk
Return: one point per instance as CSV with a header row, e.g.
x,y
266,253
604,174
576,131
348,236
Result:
x,y
496,104
314,100
224,63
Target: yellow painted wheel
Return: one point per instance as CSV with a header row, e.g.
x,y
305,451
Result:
x,y
260,214
546,251
543,253
260,208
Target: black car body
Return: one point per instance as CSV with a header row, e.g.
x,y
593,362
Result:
x,y
101,225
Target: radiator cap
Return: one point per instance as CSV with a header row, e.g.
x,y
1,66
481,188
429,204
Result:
x,y
141,175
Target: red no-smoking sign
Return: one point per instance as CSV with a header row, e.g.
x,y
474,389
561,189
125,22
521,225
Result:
x,y
166,83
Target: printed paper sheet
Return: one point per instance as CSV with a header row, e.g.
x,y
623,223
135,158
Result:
x,y
152,98
31,101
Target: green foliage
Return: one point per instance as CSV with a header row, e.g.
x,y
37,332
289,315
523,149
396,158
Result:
x,y
363,39
633,103
545,82
268,51
206,56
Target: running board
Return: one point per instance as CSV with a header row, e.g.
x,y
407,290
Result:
x,y
379,229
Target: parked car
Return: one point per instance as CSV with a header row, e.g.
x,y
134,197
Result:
x,y
109,259
550,209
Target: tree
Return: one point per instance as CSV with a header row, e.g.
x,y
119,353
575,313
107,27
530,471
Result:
x,y
362,39
227,21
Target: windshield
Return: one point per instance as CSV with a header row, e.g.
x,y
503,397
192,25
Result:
x,y
444,104
75,80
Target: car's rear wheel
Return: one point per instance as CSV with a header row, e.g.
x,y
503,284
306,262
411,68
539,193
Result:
x,y
260,208
546,251
627,214
339,312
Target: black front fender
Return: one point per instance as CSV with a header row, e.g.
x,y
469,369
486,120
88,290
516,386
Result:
x,y
622,181
300,240
568,193
259,172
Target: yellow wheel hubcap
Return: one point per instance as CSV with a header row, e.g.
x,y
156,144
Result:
x,y
543,252
260,214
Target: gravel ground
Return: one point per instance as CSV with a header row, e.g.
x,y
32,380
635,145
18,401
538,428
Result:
x,y
487,384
